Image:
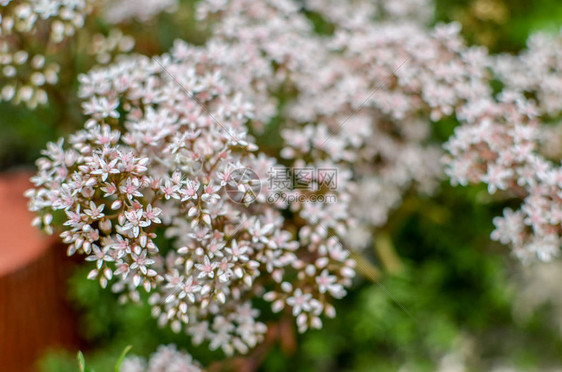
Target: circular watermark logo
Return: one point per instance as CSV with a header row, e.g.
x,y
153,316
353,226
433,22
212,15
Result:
x,y
243,186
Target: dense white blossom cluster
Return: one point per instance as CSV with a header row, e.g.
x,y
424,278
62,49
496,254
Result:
x,y
166,359
261,45
354,13
34,25
33,34
362,98
157,156
536,71
145,189
512,144
271,45
373,109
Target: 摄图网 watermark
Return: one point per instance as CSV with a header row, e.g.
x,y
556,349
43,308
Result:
x,y
292,185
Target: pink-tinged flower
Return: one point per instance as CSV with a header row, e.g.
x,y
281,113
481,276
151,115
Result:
x,y
210,193
189,289
170,190
105,169
141,262
237,252
134,221
328,283
95,212
259,233
131,188
190,190
151,214
74,218
101,107
300,302
207,268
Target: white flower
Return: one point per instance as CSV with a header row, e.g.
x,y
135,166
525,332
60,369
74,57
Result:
x,y
300,301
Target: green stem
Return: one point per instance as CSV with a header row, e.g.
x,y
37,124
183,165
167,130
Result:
x,y
387,254
366,268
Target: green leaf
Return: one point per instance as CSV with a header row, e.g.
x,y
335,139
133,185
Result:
x,y
122,357
82,363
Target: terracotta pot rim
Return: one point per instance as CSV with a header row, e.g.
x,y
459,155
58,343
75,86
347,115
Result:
x,y
20,243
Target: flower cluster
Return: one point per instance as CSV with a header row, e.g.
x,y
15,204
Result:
x,y
34,23
536,71
498,145
150,189
261,45
351,14
373,109
166,359
33,34
366,96
107,48
355,104
157,158
271,45
513,145
118,11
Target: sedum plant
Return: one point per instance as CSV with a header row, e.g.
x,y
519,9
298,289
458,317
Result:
x,y
512,143
158,154
165,188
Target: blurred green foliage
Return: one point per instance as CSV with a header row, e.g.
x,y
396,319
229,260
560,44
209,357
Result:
x,y
501,25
